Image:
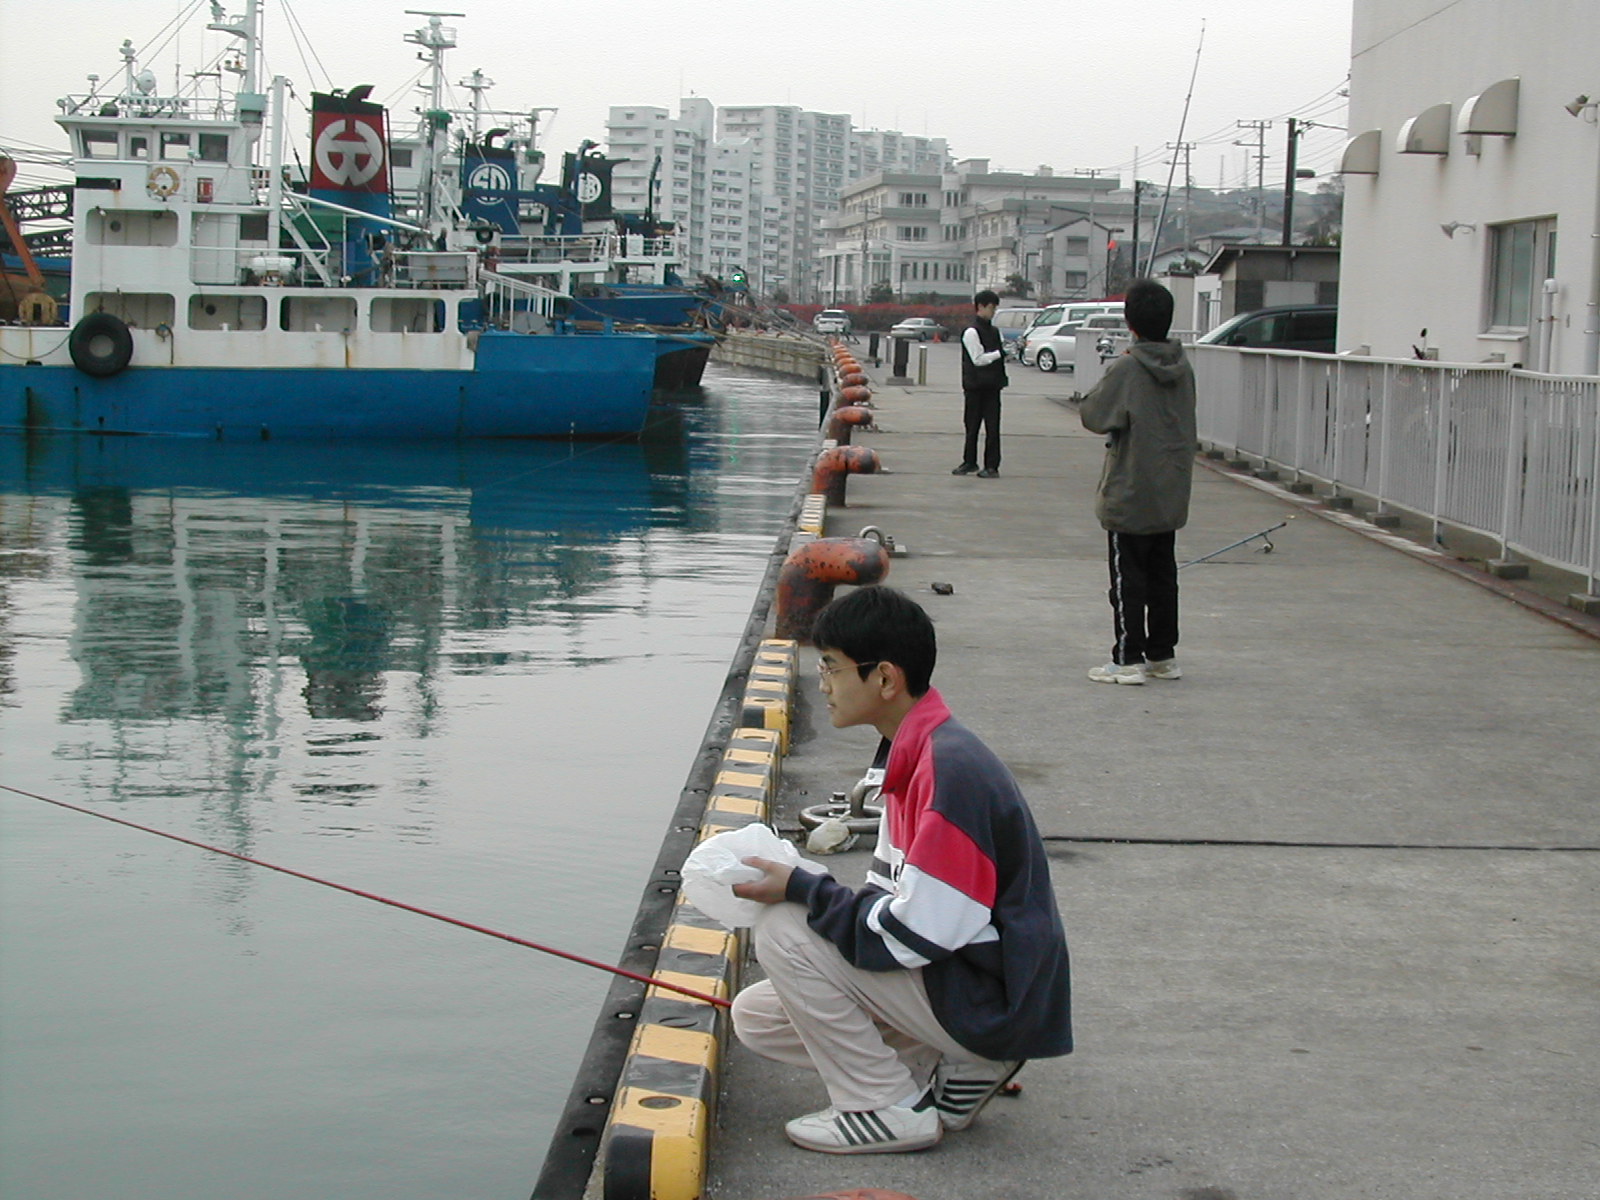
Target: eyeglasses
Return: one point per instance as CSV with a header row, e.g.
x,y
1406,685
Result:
x,y
825,672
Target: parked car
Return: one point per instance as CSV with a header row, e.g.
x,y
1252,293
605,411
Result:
x,y
1013,322
920,328
1309,327
1049,322
1061,347
831,320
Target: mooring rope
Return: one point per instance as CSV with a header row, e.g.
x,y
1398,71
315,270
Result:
x,y
400,904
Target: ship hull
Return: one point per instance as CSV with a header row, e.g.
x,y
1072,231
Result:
x,y
518,386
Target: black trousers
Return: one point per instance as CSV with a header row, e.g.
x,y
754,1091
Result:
x,y
1144,596
982,411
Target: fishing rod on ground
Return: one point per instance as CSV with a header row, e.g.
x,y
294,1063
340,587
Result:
x,y
410,908
1265,549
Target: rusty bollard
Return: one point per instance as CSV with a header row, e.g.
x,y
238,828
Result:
x,y
843,420
809,575
834,465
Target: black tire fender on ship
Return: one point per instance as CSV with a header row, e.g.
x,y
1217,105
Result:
x,y
100,345
484,234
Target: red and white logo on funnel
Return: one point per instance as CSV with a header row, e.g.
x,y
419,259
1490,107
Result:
x,y
348,155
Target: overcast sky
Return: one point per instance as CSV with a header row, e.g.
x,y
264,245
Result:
x,y
1066,84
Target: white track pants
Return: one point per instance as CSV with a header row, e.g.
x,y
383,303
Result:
x,y
870,1035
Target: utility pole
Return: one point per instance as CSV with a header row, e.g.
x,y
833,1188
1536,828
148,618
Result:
x,y
1184,148
1288,184
1093,173
1138,190
1261,157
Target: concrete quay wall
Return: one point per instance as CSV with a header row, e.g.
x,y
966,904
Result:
x,y
786,354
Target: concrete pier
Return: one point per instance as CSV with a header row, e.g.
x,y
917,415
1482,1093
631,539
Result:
x,y
786,354
1332,897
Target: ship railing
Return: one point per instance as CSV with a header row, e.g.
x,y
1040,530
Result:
x,y
97,104
541,248
650,249
508,302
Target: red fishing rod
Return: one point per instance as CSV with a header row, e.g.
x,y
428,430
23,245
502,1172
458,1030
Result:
x,y
411,908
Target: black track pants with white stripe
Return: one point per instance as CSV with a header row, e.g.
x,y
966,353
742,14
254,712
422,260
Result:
x,y
1144,596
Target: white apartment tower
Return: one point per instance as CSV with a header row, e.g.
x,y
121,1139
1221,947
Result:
x,y
797,165
754,186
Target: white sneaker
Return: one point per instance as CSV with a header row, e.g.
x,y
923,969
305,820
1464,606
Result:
x,y
879,1131
1118,673
960,1090
1166,668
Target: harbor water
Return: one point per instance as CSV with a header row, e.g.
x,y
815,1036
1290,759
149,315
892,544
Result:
x,y
471,677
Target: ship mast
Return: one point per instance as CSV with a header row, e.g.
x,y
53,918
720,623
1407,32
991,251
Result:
x,y
248,29
435,39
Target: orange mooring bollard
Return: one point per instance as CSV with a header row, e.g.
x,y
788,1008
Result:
x,y
853,379
809,575
833,466
843,420
854,394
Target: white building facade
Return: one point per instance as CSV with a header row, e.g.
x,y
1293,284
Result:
x,y
951,233
1472,183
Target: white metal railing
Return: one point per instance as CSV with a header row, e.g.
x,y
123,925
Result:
x,y
506,298
1508,453
537,248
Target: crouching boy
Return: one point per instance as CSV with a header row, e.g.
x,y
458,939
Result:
x,y
917,997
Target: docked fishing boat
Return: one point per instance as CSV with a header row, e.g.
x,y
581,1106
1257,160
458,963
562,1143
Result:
x,y
620,269
210,297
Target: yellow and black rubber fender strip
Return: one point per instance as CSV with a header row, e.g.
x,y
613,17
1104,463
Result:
x,y
769,693
658,1135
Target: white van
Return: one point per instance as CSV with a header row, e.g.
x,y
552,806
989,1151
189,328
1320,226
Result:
x,y
1050,322
1013,322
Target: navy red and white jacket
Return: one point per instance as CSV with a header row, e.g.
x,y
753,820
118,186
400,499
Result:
x,y
960,888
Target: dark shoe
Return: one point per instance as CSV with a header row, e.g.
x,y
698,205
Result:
x,y
989,473
965,469
960,1090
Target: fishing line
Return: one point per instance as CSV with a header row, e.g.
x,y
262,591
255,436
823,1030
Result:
x,y
410,908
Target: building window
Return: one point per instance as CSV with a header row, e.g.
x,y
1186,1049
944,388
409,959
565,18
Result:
x,y
1521,256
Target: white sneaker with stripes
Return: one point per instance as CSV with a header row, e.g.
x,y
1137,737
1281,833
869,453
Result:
x,y
1131,673
960,1090
879,1131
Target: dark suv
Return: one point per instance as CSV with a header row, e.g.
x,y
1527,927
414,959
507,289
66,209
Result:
x,y
1308,327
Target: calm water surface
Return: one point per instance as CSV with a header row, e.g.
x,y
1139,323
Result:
x,y
473,679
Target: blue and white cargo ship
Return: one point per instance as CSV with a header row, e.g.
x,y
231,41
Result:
x,y
212,298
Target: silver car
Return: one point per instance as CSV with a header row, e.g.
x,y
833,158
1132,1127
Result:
x,y
1061,347
919,328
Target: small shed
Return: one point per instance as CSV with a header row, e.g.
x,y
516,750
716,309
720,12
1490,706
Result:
x,y
1258,276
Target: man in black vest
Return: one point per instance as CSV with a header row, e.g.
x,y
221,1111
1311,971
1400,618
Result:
x,y
983,374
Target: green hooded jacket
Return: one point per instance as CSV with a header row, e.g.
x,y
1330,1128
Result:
x,y
1145,406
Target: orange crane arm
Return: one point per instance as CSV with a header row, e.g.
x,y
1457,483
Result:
x,y
8,172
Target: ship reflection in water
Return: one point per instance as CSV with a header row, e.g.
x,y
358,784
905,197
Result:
x,y
471,677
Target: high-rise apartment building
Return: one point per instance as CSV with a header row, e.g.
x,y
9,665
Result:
x,y
752,186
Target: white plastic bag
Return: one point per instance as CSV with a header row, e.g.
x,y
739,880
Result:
x,y
716,864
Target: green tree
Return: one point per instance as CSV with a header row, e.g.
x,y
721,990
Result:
x,y
881,292
1017,285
